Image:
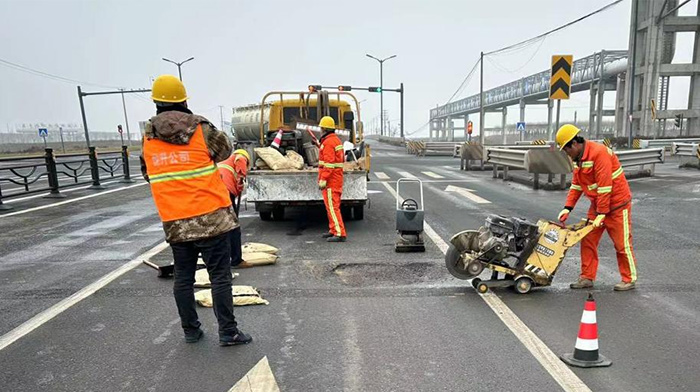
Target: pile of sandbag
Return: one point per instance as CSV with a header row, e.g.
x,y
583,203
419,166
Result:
x,y
274,160
259,254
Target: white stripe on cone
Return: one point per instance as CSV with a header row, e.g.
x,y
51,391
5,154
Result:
x,y
588,317
586,344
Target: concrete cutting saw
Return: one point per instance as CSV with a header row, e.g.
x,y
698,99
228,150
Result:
x,y
409,219
520,254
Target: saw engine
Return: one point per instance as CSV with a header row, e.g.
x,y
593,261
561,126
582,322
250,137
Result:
x,y
501,241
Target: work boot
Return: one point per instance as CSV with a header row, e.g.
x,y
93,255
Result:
x,y
582,283
624,286
336,239
234,340
242,264
327,235
193,336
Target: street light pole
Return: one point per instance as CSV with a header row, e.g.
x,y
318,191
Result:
x,y
179,65
381,90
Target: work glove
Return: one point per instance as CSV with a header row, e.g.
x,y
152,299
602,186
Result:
x,y
322,184
598,221
564,214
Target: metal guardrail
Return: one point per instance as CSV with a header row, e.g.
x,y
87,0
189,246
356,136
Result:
x,y
666,143
689,154
506,157
51,173
649,156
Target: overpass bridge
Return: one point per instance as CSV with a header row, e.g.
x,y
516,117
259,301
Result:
x,y
597,73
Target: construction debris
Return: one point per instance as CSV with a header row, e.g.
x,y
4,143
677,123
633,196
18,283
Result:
x,y
201,278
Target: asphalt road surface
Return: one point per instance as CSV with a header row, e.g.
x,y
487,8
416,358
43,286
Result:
x,y
354,316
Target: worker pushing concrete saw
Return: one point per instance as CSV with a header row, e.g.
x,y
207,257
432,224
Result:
x,y
520,254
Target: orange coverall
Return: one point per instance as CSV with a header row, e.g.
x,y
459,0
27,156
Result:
x,y
599,176
330,169
233,170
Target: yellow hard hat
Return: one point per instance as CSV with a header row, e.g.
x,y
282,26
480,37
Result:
x,y
327,122
565,134
243,152
168,88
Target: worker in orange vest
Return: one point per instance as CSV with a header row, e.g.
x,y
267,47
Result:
x,y
179,154
330,178
598,174
233,172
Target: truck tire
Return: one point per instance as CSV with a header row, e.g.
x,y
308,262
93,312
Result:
x,y
346,212
265,215
278,213
358,212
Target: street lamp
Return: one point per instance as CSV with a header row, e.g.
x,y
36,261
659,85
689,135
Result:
x,y
179,72
381,89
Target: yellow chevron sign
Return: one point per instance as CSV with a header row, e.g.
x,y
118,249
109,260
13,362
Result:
x,y
560,81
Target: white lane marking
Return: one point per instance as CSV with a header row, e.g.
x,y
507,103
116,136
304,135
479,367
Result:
x,y
431,174
407,175
62,191
564,376
467,193
71,200
381,175
428,181
258,379
65,304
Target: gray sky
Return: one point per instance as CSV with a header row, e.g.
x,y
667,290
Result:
x,y
243,49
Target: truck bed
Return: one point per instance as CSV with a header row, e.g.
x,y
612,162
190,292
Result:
x,y
299,186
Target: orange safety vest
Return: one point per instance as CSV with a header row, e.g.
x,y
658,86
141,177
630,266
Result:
x,y
185,181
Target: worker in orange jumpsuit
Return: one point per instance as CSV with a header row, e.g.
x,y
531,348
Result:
x,y
330,178
598,174
233,171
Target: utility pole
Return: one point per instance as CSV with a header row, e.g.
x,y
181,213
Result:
x,y
381,87
221,113
126,120
481,102
179,65
402,111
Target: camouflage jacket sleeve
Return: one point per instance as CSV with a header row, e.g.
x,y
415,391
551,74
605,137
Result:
x,y
217,142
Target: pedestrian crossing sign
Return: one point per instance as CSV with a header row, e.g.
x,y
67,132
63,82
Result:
x,y
520,126
43,132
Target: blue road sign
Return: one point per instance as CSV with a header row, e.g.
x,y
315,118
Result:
x,y
520,126
43,132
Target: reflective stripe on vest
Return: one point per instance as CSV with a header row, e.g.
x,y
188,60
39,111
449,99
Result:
x,y
617,173
184,179
576,187
586,164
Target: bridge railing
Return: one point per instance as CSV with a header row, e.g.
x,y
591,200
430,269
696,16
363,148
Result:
x,y
52,173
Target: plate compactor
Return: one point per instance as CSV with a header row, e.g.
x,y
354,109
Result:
x,y
409,220
525,255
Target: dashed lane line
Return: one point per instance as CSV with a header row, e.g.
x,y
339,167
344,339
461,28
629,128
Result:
x,y
433,175
564,376
381,175
65,304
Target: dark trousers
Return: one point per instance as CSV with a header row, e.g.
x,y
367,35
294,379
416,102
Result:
x,y
236,252
217,257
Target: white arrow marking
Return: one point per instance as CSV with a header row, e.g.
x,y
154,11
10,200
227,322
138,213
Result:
x,y
431,174
258,379
467,193
381,175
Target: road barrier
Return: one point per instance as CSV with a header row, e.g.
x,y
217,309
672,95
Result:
x,y
665,143
642,157
536,159
477,152
689,154
60,171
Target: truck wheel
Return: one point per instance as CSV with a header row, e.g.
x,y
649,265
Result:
x,y
265,215
346,213
358,212
278,213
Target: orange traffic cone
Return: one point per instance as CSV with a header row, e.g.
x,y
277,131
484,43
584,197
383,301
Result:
x,y
278,139
586,349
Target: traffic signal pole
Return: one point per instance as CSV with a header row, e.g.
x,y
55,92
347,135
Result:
x,y
381,97
401,110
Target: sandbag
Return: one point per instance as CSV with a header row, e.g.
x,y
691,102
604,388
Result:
x,y
259,258
250,247
242,296
260,164
296,161
201,278
273,158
